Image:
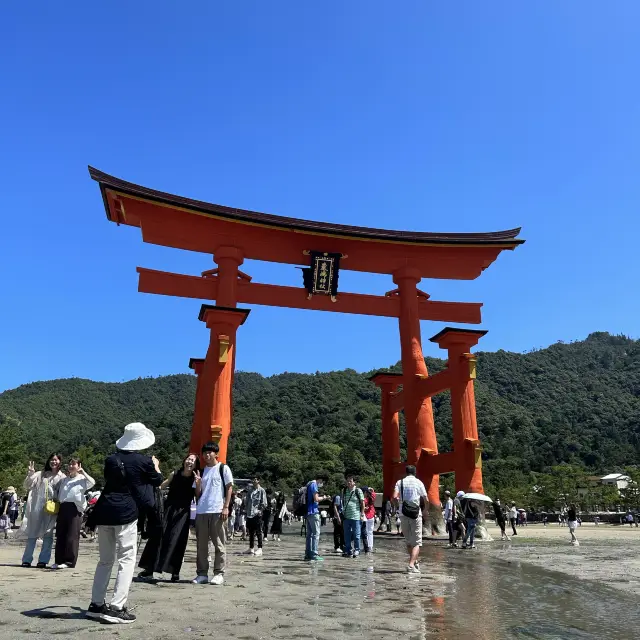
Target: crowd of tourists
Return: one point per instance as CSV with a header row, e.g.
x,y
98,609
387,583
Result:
x,y
132,504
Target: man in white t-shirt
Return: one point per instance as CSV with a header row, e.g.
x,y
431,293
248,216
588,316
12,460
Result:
x,y
213,493
410,494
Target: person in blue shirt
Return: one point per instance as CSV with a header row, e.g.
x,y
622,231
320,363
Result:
x,y
313,497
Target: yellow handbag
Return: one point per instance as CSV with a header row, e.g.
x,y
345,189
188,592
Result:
x,y
51,507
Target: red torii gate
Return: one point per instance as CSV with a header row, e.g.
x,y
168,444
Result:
x,y
232,235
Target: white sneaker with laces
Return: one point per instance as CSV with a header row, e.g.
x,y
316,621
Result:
x,y
413,569
338,550
258,552
250,552
60,566
200,580
217,579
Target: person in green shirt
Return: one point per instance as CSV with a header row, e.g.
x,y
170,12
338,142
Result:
x,y
352,514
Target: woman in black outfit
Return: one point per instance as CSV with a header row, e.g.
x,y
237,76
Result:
x,y
276,526
166,553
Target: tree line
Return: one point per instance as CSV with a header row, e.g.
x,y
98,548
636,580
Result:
x,y
568,411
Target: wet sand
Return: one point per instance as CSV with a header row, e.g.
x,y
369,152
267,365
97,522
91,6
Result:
x,y
607,554
493,592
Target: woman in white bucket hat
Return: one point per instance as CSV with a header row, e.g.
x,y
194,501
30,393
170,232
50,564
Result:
x,y
130,478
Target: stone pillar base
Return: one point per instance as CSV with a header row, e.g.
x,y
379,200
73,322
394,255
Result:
x,y
434,522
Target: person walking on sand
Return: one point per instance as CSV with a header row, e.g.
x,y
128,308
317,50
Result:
x,y
312,533
500,519
8,499
165,553
458,518
513,517
369,521
72,507
39,519
353,515
213,492
572,522
471,514
448,516
279,515
266,516
338,529
410,494
256,503
130,479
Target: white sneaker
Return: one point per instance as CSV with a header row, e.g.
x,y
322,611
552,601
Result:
x,y
338,550
60,566
356,554
250,552
258,552
413,569
217,579
278,539
200,580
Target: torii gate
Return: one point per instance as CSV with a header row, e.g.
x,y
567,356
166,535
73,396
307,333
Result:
x,y
232,235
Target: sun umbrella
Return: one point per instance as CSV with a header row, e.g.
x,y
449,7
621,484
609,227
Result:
x,y
477,496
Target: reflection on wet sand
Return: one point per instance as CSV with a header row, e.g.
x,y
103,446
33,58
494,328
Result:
x,y
459,594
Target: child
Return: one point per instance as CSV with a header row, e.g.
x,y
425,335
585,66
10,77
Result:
x,y
213,492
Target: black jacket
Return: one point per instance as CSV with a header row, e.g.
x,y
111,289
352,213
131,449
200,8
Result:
x,y
470,509
123,497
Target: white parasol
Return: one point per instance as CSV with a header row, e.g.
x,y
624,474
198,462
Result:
x,y
477,496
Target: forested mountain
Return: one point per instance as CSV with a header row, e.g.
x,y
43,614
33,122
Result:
x,y
575,403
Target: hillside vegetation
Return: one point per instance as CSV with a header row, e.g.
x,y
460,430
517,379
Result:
x,y
576,405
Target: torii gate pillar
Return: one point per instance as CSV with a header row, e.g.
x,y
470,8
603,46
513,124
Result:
x,y
466,445
418,411
391,465
212,419
197,439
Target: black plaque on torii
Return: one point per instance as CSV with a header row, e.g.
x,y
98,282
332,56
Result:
x,y
321,278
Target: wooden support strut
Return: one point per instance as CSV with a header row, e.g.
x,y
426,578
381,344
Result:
x,y
206,288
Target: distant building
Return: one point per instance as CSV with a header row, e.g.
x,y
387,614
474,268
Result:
x,y
618,480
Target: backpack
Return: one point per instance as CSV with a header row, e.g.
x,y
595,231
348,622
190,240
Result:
x,y
300,501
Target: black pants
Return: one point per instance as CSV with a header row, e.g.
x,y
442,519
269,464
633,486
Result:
x,y
513,526
266,516
68,534
502,525
451,531
338,534
254,526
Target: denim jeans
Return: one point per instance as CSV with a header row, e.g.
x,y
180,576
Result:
x,y
351,532
471,530
313,536
45,552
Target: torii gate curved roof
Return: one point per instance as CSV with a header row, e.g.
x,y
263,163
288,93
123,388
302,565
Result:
x,y
174,221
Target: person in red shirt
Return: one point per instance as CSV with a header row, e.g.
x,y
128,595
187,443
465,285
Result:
x,y
369,515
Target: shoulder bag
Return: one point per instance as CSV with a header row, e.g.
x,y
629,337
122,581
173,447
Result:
x,y
411,511
51,506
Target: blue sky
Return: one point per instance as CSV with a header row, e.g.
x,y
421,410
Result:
x,y
419,115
